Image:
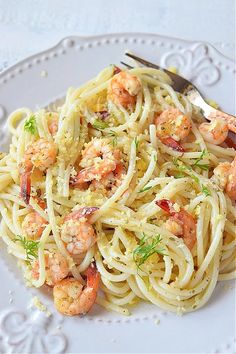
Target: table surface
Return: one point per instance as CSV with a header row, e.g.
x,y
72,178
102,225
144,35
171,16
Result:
x,y
27,26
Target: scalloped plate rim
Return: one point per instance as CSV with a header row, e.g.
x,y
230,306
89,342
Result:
x,y
81,39
112,35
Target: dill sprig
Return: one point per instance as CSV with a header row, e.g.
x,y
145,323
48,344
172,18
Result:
x,y
113,135
180,165
204,167
31,126
145,189
184,168
99,124
146,248
136,142
30,247
205,190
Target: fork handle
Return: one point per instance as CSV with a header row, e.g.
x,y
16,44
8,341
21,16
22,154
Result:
x,y
210,112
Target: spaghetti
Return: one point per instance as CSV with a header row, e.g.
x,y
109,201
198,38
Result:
x,y
120,175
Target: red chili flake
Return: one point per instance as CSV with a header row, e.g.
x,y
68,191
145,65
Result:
x,y
175,145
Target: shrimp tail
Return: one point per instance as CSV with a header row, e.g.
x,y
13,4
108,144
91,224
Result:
x,y
25,187
40,202
116,70
231,184
83,212
170,142
89,294
230,143
184,219
230,120
87,211
81,178
166,205
93,276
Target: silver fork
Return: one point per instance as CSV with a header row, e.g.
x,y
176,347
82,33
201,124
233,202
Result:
x,y
185,87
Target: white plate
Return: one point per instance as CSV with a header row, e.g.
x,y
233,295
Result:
x,y
42,79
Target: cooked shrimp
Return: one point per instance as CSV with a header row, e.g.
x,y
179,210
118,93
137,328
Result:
x,y
77,232
225,174
174,226
56,268
38,155
123,89
33,225
221,173
181,223
70,298
40,202
111,181
52,118
98,159
214,132
231,183
172,123
175,145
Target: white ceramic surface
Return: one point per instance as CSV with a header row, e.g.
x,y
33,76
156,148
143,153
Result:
x,y
42,79
28,26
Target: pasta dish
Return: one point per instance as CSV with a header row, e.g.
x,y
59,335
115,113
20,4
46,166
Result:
x,y
123,194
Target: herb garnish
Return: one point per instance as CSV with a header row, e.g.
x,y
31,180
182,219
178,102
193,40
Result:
x,y
31,126
180,165
179,175
144,189
99,124
114,136
204,167
146,248
183,168
136,142
205,190
30,247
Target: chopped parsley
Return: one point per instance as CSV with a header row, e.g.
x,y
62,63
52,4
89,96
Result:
x,y
31,126
30,247
99,124
146,248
